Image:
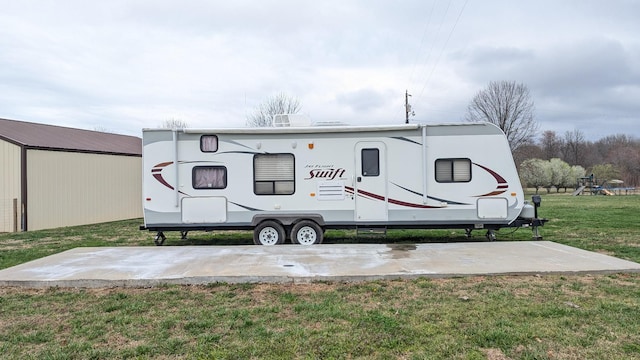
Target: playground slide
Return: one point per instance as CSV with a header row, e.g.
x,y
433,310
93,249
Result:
x,y
578,191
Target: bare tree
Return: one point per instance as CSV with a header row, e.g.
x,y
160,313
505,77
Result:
x,y
574,149
551,145
278,104
174,123
527,151
509,106
627,159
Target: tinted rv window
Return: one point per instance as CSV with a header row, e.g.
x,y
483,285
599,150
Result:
x,y
273,174
453,170
209,177
208,143
370,162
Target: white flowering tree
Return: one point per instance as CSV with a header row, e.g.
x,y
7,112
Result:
x,y
535,173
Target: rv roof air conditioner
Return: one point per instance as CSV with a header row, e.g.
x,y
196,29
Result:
x,y
291,120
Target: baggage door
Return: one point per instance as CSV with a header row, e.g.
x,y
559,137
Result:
x,y
204,210
371,181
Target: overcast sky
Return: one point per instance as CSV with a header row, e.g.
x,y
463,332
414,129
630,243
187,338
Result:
x,y
126,65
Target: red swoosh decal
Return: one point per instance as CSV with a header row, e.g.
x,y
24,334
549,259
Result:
x,y
392,201
502,183
156,171
498,178
162,180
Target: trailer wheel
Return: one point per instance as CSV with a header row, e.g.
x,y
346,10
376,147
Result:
x,y
268,233
307,232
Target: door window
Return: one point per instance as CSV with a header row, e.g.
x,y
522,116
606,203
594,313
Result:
x,y
370,162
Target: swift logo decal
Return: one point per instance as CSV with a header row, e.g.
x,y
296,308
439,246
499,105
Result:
x,y
327,174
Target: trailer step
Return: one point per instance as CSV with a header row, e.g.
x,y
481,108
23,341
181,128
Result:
x,y
371,231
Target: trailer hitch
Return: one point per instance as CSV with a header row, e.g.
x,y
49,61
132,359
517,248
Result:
x,y
536,222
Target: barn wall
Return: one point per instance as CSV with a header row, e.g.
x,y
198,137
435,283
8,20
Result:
x,y
9,186
66,188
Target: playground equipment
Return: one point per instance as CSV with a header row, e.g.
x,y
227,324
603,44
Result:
x,y
588,183
606,187
616,187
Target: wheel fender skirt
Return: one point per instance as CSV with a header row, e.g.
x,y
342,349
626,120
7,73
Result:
x,y
287,219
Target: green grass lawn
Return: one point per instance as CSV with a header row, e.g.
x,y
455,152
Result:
x,y
523,317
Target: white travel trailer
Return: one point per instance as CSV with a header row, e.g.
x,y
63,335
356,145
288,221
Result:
x,y
295,182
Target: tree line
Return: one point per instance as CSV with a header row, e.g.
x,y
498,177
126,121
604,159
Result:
x,y
612,157
538,173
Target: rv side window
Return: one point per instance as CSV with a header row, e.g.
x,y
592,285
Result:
x,y
453,170
273,174
209,177
208,143
370,162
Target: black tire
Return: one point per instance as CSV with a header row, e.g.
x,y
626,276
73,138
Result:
x,y
268,233
307,232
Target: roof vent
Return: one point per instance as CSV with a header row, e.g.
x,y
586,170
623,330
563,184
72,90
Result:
x,y
289,120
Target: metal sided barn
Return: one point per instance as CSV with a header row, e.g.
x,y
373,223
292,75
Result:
x,y
53,176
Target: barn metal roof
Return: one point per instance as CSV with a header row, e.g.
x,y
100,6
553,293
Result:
x,y
51,137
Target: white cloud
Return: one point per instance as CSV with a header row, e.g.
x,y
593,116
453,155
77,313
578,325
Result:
x,y
126,65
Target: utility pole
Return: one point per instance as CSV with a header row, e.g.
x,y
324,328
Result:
x,y
407,106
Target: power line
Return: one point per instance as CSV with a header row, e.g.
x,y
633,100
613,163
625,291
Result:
x,y
429,54
424,35
443,47
437,34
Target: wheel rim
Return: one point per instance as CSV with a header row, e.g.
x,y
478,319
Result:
x,y
306,236
268,236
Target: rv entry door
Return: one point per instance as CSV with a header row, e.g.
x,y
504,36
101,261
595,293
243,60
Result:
x,y
371,181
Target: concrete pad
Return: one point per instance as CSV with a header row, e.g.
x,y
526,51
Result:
x,y
151,266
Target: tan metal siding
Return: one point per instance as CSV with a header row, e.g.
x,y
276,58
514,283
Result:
x,y
65,188
9,186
